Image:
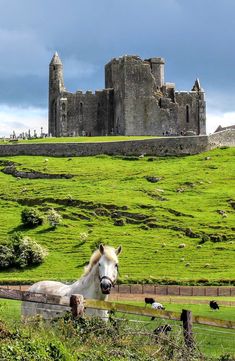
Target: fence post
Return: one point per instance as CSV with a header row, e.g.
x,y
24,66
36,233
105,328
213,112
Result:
x,y
77,305
186,318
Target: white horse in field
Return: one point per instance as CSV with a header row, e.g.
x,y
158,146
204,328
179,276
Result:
x,y
99,277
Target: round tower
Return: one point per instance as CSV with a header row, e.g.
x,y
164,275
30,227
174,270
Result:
x,y
157,68
56,86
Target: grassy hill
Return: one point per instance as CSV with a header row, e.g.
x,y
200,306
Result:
x,y
149,205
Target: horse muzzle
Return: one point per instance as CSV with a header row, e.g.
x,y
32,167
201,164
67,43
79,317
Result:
x,y
106,284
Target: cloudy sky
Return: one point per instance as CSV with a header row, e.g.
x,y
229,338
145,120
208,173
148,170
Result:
x,y
196,38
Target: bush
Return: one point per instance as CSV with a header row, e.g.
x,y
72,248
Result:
x,y
54,218
6,256
22,251
31,217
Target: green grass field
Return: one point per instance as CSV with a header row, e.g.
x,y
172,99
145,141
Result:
x,y
77,139
211,341
192,203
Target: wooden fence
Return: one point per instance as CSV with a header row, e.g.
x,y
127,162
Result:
x,y
78,304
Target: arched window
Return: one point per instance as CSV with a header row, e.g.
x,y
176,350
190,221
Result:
x,y
63,106
187,114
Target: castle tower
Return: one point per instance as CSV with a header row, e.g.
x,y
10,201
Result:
x,y
157,69
201,107
56,86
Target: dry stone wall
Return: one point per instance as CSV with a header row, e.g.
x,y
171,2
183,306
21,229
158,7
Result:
x,y
155,147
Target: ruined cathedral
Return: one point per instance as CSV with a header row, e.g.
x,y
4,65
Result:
x,y
136,101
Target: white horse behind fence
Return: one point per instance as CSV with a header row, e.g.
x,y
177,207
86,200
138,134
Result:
x,y
99,277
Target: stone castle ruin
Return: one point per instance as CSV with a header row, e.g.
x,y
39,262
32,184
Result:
x,y
136,101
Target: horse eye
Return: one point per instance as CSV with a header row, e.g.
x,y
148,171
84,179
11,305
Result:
x,y
99,264
116,265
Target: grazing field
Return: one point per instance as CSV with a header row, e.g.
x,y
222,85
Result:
x,y
211,341
174,216
115,341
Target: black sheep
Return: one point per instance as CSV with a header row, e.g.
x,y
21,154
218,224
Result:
x,y
214,305
149,300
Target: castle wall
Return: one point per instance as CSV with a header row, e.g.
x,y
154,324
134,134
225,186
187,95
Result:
x,y
191,112
115,79
85,113
155,147
145,108
137,97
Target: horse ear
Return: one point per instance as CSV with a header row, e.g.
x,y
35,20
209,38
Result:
x,y
101,248
118,250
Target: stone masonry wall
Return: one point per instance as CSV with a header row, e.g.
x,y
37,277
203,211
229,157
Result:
x,y
91,113
155,147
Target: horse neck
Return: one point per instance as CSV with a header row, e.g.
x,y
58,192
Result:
x,y
89,285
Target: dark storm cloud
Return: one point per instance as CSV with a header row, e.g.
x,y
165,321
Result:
x,y
195,38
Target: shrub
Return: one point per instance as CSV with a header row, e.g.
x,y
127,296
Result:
x,y
31,217
6,256
54,218
22,251
27,251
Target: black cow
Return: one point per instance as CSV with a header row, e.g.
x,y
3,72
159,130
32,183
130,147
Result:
x,y
214,305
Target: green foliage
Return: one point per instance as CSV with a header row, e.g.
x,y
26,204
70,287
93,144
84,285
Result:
x,y
226,357
31,217
21,252
6,256
36,350
54,218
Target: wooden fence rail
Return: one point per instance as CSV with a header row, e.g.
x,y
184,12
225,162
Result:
x,y
77,304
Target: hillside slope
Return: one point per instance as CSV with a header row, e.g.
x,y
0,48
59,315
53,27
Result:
x,y
174,216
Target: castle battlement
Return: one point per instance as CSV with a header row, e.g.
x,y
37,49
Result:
x,y
136,100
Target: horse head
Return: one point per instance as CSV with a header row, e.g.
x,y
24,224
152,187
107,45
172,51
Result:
x,y
108,267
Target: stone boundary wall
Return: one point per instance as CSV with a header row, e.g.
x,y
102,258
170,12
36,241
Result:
x,y
159,290
175,290
173,146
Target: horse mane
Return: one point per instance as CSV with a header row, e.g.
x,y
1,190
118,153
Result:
x,y
109,253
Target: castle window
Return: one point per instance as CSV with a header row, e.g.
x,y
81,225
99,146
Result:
x,y
63,106
98,110
187,113
81,108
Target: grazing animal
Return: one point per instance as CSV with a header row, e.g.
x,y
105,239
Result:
x,y
162,329
99,277
214,305
157,306
149,300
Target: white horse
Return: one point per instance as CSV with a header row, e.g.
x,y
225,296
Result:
x,y
99,277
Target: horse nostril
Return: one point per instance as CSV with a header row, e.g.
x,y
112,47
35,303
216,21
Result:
x,y
105,285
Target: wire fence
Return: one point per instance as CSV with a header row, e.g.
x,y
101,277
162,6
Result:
x,y
208,339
